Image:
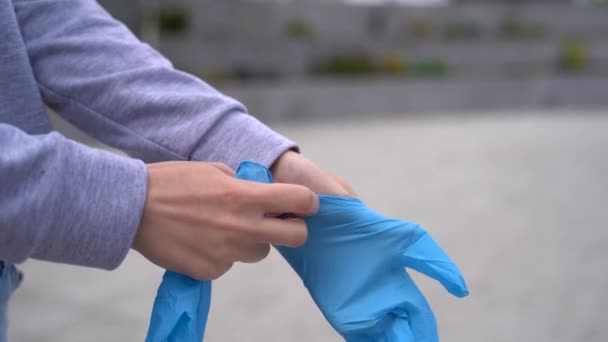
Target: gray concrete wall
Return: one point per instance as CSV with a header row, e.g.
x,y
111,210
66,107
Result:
x,y
340,99
224,34
485,73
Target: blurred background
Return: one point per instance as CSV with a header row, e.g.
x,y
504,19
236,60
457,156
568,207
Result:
x,y
485,121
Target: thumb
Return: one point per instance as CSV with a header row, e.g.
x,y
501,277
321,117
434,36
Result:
x,y
426,257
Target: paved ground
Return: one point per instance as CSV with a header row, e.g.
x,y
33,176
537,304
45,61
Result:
x,y
517,199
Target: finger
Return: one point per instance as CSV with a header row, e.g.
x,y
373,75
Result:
x,y
251,253
286,198
278,198
191,263
290,232
224,168
345,185
425,256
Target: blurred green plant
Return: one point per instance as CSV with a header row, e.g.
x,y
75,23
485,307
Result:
x,y
513,27
428,68
347,65
462,30
297,28
392,64
574,56
172,20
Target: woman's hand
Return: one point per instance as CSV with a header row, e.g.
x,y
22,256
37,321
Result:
x,y
293,168
198,219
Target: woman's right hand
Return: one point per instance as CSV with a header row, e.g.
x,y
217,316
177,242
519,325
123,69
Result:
x,y
198,219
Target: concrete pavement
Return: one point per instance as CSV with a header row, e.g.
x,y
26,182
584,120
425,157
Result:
x,y
518,199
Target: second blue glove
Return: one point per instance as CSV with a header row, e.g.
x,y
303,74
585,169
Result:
x,y
353,266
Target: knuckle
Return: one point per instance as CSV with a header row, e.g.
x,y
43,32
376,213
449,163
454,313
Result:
x,y
218,270
253,252
227,225
225,268
220,164
225,249
310,202
233,201
223,168
215,274
230,194
200,273
265,250
296,239
219,253
262,252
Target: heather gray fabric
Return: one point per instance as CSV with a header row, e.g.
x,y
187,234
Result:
x,y
62,201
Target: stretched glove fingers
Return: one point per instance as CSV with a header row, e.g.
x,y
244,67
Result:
x,y
426,257
420,317
400,330
180,309
392,328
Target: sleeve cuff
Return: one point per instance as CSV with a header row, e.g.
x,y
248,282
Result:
x,y
102,196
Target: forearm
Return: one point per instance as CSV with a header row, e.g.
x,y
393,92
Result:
x,y
64,202
98,75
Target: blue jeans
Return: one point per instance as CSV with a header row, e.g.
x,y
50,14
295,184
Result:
x,y
10,278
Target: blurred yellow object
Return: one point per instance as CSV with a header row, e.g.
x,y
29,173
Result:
x,y
394,64
574,55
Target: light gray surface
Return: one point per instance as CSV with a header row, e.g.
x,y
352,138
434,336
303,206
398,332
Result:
x,y
517,199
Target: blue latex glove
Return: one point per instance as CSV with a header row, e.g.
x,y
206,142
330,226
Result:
x,y
180,309
353,266
181,306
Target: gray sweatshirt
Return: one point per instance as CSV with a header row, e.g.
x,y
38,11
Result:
x,y
62,201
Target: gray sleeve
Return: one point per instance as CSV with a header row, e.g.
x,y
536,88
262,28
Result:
x,y
99,76
64,202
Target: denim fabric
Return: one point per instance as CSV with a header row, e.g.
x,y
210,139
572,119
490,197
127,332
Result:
x,y
10,278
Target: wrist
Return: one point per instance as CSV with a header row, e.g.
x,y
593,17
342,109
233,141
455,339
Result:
x,y
293,168
289,168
